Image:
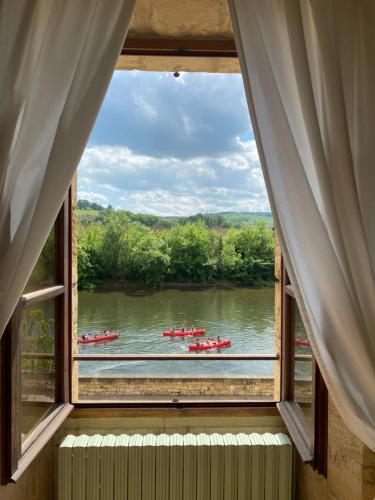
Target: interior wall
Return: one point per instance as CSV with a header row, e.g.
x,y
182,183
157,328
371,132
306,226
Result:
x,y
38,481
351,467
196,19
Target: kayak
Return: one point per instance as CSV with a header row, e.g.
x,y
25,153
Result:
x,y
101,338
185,333
303,342
210,344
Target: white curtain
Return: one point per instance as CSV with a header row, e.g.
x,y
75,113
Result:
x,y
309,73
56,58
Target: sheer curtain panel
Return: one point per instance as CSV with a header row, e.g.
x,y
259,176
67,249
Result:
x,y
57,58
309,73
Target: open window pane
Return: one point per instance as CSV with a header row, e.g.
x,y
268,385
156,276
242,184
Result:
x,y
38,326
44,273
303,383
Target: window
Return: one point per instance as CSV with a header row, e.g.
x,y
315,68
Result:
x,y
35,357
157,247
304,405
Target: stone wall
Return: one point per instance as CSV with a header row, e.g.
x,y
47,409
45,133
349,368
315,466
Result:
x,y
158,387
351,467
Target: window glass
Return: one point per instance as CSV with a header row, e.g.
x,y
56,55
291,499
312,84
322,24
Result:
x,y
37,363
302,367
44,273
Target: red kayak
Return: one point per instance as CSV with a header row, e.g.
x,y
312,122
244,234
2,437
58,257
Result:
x,y
210,344
185,333
101,338
303,342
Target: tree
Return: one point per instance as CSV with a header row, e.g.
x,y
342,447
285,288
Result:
x,y
191,250
119,248
89,254
248,254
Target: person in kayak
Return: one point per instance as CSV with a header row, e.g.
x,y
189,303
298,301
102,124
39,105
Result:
x,y
172,328
198,342
84,336
106,332
183,328
192,328
218,339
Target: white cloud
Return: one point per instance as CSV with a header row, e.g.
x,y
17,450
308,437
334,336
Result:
x,y
173,186
92,197
172,146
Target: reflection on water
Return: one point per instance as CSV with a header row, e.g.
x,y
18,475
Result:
x,y
242,314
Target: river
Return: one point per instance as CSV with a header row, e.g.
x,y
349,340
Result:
x,y
244,315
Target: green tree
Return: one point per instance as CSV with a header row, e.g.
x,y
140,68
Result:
x,y
89,254
248,255
150,261
191,251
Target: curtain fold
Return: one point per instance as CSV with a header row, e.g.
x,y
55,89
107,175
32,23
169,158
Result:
x,y
309,75
57,59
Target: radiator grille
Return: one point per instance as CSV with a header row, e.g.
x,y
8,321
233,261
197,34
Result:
x,y
175,467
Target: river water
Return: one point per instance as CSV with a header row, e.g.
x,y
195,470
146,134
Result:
x,y
244,315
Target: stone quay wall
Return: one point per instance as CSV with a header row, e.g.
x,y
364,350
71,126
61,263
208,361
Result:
x,y
95,387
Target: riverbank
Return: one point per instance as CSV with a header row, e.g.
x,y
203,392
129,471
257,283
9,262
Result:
x,y
110,285
121,249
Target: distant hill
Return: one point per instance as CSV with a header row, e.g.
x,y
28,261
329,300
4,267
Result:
x,y
247,218
92,212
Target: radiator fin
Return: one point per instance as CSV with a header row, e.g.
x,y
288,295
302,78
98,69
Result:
x,y
65,468
244,466
93,467
285,467
79,467
162,467
135,467
121,467
203,467
148,467
176,467
230,467
258,453
217,466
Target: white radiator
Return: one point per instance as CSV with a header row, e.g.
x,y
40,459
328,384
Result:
x,y
175,467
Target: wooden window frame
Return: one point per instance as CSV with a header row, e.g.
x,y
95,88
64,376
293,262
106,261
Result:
x,y
15,455
312,444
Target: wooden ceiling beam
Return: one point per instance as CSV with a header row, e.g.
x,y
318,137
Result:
x,y
176,47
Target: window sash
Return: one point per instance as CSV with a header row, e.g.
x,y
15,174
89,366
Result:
x,y
16,455
310,443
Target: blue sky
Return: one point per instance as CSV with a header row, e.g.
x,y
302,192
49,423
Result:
x,y
173,146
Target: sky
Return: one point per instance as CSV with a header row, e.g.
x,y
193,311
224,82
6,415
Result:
x,y
173,146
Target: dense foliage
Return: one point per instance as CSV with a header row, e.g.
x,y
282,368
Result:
x,y
125,247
